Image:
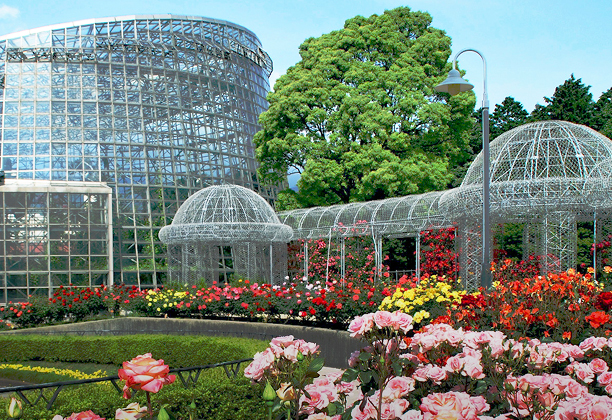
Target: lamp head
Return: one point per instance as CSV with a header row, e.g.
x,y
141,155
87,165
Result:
x,y
454,84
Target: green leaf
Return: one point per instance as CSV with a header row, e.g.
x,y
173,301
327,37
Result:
x,y
316,365
365,376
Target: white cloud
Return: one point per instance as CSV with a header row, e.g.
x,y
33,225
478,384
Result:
x,y
7,12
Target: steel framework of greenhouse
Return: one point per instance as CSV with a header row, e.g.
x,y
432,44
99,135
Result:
x,y
153,107
545,175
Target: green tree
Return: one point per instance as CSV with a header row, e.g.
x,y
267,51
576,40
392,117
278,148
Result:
x,y
602,114
572,102
358,117
506,116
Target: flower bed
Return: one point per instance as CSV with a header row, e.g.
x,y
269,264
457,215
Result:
x,y
438,373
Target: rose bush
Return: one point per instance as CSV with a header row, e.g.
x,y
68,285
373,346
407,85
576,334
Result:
x,y
440,372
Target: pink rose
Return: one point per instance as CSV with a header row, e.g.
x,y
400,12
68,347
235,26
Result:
x,y
361,325
403,322
397,387
584,373
436,374
144,372
412,415
290,353
84,415
473,368
598,366
393,409
132,412
605,378
451,405
316,401
575,390
384,319
261,362
306,347
454,364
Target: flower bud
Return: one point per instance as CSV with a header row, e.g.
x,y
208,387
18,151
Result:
x,y
13,409
299,356
163,414
268,393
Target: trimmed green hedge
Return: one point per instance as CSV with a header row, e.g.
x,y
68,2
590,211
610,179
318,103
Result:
x,y
176,351
215,396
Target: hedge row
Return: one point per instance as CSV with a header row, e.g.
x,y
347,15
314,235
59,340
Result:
x,y
176,351
215,397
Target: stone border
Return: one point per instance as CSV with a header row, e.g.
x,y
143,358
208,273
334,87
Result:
x,y
335,346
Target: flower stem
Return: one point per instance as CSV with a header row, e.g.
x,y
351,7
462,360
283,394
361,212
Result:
x,y
149,406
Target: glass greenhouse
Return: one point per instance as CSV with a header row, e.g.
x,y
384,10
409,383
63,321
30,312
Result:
x,y
107,127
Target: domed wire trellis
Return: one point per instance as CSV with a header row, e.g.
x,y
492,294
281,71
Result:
x,y
545,175
226,230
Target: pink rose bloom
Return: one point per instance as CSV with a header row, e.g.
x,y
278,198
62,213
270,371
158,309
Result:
x,y
84,415
335,375
472,368
594,343
437,374
306,347
261,362
384,319
454,364
575,390
454,337
345,388
323,416
397,387
368,412
451,406
575,352
361,325
282,342
412,415
421,373
427,342
144,372
584,373
394,409
317,401
290,353
598,366
605,378
403,322
132,412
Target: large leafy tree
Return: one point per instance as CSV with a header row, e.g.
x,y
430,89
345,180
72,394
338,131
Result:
x,y
571,101
358,117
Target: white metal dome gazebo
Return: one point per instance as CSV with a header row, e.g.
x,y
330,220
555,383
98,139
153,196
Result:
x,y
546,175
226,230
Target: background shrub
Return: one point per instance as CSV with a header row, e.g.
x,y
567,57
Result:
x,y
176,351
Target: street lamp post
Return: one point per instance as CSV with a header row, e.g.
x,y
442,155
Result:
x,y
455,84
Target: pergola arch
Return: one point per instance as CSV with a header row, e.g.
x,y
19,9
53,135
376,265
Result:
x,y
547,175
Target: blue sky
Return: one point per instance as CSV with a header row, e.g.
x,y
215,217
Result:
x,y
531,46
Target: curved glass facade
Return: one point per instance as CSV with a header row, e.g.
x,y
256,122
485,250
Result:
x,y
155,107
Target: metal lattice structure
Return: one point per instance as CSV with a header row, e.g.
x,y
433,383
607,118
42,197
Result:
x,y
226,230
546,175
157,107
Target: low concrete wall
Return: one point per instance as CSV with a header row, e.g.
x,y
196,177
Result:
x,y
335,346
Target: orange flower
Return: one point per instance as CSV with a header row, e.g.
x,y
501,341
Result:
x,y
597,319
567,335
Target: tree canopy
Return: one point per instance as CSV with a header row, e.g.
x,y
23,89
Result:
x,y
571,102
358,117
